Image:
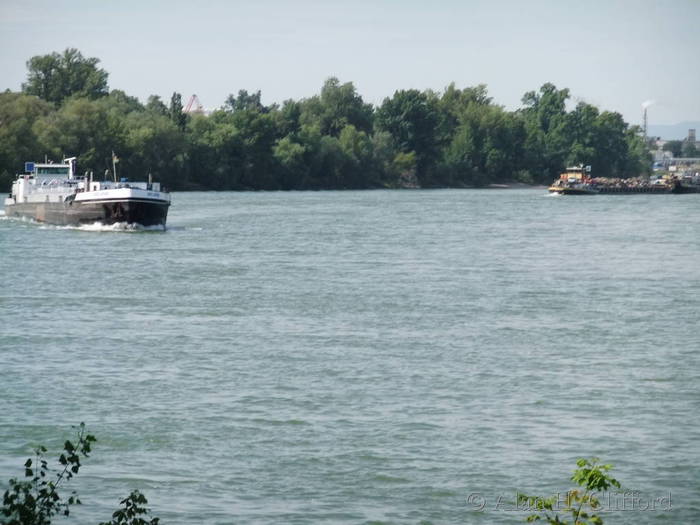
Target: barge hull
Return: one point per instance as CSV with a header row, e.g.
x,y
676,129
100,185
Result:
x,y
145,213
650,190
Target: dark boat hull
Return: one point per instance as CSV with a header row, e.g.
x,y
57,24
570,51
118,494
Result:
x,y
72,213
626,190
656,190
572,191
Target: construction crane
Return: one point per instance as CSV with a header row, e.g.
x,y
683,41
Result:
x,y
194,105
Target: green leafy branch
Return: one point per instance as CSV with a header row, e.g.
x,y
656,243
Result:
x,y
582,504
36,500
133,512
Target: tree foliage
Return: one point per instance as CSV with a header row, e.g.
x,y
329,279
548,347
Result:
x,y
38,498
175,112
18,139
689,149
338,105
412,118
681,148
331,140
133,512
582,504
55,77
675,147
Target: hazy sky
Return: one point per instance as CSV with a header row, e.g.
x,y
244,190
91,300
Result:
x,y
615,54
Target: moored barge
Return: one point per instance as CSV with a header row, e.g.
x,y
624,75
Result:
x,y
577,181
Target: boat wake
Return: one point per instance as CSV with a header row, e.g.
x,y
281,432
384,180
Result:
x,y
100,227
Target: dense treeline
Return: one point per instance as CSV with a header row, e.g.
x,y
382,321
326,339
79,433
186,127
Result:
x,y
332,140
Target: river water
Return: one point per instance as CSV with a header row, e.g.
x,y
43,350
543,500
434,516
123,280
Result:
x,y
361,357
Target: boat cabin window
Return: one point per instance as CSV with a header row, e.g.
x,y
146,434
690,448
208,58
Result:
x,y
53,170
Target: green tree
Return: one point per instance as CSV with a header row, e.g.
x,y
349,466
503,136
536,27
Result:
x,y
548,137
215,152
124,103
689,149
582,505
37,500
87,129
453,103
330,164
486,146
639,157
611,146
600,140
245,101
153,145
339,105
412,119
133,512
156,105
357,146
55,77
547,107
675,147
387,172
175,111
288,118
259,136
19,142
582,131
92,129
293,168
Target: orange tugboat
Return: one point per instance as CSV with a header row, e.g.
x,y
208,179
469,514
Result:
x,y
574,181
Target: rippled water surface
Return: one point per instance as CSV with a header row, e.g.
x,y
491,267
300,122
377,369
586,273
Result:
x,y
361,357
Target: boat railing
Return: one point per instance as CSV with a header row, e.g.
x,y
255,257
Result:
x,y
56,188
123,185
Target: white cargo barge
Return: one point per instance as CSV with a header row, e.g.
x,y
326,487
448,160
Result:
x,y
52,193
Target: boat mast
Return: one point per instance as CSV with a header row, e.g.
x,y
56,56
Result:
x,y
115,159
